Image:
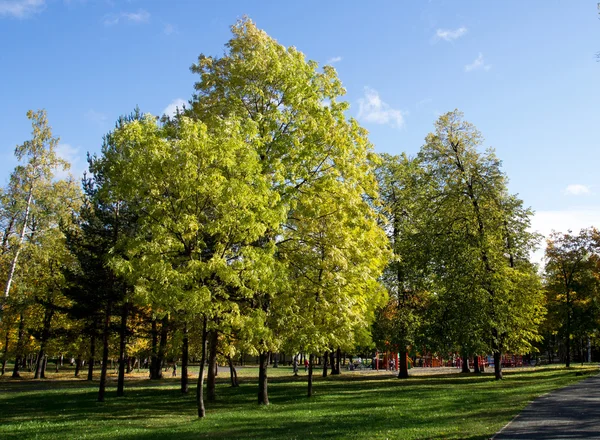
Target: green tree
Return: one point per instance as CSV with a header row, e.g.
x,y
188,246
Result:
x,y
572,282
28,182
201,204
480,243
301,136
406,277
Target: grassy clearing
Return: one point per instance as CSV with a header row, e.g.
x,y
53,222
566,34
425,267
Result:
x,y
350,406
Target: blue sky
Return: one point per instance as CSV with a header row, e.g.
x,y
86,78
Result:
x,y
524,72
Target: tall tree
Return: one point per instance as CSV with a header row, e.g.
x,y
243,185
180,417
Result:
x,y
201,204
29,179
480,240
572,283
301,137
406,276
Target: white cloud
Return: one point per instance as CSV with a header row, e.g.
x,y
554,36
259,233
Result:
x,y
423,102
449,34
372,109
544,222
577,190
171,109
140,16
334,60
479,63
74,156
96,117
169,29
21,8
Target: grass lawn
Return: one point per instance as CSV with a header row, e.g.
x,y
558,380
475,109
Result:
x,y
350,406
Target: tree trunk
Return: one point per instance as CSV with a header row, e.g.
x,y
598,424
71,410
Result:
x,y
122,349
568,345
39,370
465,362
496,348
403,367
232,373
102,387
332,361
5,353
476,369
92,359
19,353
311,359
295,363
498,365
154,366
325,359
162,346
77,364
263,394
211,381
275,360
200,387
13,264
337,361
184,360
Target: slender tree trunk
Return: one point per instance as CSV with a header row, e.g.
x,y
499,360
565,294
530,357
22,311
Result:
x,y
403,367
275,360
295,363
263,394
5,353
211,381
232,373
337,361
200,387
184,360
19,353
92,359
122,350
325,358
568,339
77,364
13,264
311,360
39,368
498,365
102,388
332,361
162,347
476,369
496,348
465,362
154,355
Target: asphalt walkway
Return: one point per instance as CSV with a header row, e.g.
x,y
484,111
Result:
x,y
569,413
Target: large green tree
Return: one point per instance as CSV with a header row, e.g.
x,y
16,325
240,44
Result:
x,y
302,140
572,281
481,243
407,279
201,204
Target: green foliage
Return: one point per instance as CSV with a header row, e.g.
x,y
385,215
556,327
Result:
x,y
572,281
488,293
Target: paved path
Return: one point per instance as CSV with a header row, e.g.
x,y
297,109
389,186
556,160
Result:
x,y
569,413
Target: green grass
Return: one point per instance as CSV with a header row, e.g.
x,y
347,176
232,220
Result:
x,y
350,406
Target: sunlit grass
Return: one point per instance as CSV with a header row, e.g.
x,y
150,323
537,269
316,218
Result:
x,y
347,406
